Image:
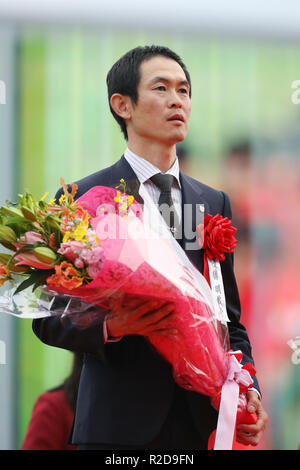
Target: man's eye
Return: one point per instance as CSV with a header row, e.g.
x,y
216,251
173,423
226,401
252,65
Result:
x,y
161,88
183,90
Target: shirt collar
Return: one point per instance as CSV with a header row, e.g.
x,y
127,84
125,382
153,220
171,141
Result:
x,y
144,170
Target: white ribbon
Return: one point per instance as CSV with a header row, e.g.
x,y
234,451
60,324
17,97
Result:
x,y
229,404
217,288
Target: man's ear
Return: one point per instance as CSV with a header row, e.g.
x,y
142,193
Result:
x,y
121,105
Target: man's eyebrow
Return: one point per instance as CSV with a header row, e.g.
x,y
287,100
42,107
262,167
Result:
x,y
166,80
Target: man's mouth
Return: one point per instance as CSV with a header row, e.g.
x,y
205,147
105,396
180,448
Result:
x,y
176,117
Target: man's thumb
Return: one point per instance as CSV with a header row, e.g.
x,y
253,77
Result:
x,y
251,407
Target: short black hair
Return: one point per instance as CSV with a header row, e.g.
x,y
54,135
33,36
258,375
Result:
x,y
124,76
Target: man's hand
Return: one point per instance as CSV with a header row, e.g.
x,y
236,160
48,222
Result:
x,y
140,317
250,434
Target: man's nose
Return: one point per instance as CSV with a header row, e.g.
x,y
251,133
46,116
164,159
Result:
x,y
174,100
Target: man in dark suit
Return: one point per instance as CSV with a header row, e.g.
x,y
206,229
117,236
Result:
x,y
127,396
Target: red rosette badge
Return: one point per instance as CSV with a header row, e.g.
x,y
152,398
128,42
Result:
x,y
216,237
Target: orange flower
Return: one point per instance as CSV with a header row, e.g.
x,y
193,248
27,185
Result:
x,y
4,274
65,276
73,222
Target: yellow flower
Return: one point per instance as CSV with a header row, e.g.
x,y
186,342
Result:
x,y
80,232
67,236
117,197
62,199
124,201
44,197
130,200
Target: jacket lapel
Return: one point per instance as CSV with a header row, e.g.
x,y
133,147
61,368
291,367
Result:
x,y
194,207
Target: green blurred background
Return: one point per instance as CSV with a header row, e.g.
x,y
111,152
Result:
x,y
241,96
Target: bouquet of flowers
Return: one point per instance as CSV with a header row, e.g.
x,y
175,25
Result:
x,y
100,250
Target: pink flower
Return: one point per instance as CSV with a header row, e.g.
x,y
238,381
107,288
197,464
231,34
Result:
x,y
31,238
29,259
92,256
93,270
82,255
79,263
71,249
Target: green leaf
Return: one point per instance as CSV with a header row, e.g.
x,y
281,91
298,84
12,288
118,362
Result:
x,y
43,278
35,279
58,238
27,283
9,211
20,225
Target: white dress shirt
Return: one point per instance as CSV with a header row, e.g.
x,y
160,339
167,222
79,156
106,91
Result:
x,y
144,170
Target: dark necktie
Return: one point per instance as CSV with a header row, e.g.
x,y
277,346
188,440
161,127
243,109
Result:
x,y
165,202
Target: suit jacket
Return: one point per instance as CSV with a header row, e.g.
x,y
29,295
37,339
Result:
x,y
126,388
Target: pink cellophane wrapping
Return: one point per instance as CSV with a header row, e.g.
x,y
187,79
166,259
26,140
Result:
x,y
152,267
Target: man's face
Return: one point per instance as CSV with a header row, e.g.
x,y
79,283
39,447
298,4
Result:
x,y
163,108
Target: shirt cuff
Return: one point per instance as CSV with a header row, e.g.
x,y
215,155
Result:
x,y
106,339
254,390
